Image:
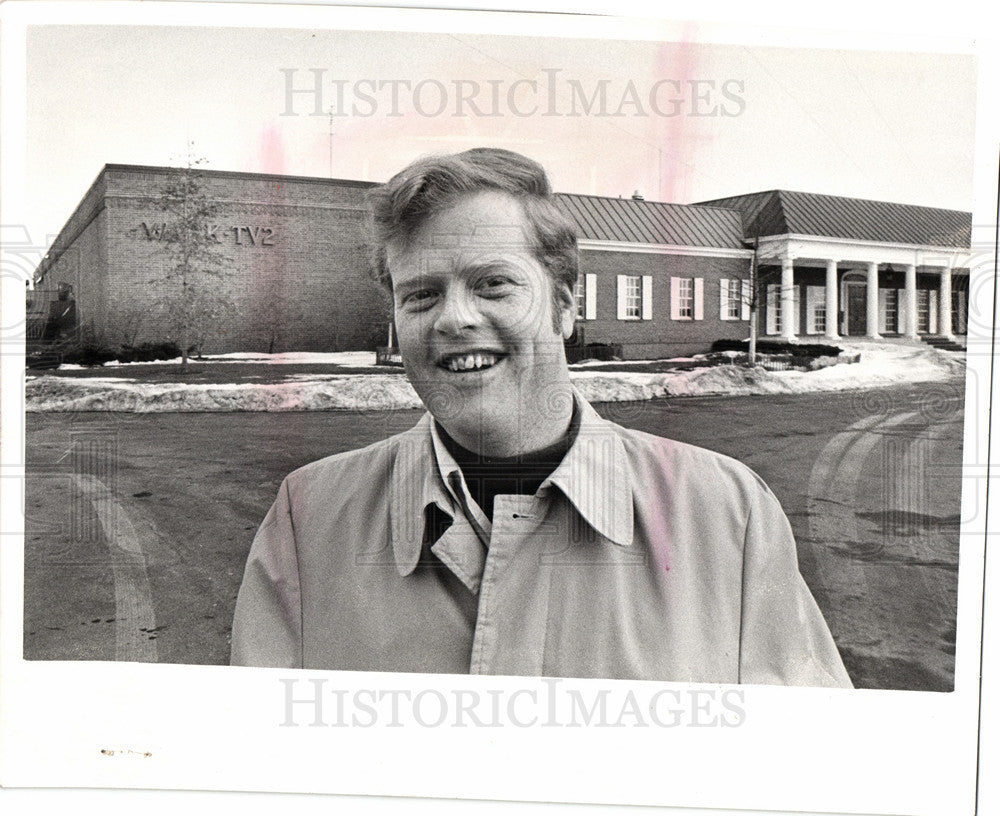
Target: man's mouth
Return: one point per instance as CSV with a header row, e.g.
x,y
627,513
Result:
x,y
474,361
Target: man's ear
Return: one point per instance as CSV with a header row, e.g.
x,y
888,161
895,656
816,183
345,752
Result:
x,y
567,316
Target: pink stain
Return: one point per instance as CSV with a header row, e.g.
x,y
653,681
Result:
x,y
676,159
272,152
657,520
679,62
269,267
670,132
661,543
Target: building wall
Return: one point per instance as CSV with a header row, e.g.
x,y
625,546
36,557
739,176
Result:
x,y
290,259
78,258
660,335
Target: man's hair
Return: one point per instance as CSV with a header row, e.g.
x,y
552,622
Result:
x,y
434,183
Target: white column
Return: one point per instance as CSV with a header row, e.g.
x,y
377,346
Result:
x,y
788,321
832,305
944,304
873,301
911,301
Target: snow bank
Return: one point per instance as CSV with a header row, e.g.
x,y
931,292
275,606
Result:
x,y
366,392
353,359
880,365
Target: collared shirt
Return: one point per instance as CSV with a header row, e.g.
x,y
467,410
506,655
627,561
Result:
x,y
637,558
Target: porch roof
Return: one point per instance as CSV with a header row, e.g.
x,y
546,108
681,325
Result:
x,y
783,212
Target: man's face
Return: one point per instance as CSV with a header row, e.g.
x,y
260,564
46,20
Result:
x,y
474,317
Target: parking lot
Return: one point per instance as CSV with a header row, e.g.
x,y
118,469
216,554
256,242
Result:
x,y
870,481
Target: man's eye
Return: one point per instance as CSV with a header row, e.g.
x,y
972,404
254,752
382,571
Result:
x,y
494,283
419,299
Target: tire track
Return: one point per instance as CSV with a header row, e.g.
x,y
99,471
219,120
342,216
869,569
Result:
x,y
134,618
831,508
888,593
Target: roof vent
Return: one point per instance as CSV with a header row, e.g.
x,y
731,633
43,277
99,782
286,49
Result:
x,y
637,196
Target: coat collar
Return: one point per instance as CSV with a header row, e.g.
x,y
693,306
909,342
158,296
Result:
x,y
594,476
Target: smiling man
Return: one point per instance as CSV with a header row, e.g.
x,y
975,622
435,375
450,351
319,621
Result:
x,y
512,530
480,324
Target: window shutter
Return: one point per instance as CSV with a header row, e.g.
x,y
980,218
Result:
x,y
773,304
590,297
647,297
724,299
901,318
810,310
699,298
796,308
932,308
745,305
675,306
621,296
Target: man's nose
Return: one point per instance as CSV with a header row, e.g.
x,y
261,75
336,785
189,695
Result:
x,y
457,311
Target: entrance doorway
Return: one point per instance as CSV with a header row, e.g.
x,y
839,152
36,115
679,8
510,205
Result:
x,y
857,309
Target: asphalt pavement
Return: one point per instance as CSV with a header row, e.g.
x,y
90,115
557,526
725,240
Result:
x,y
138,525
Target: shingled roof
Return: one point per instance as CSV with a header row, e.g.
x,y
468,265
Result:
x,y
780,212
631,220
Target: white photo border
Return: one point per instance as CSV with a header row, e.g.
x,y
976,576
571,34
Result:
x,y
218,728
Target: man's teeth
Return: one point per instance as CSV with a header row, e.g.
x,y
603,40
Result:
x,y
468,362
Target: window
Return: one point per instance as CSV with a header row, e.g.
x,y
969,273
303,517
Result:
x,y
773,314
585,295
815,309
819,316
578,296
890,311
734,299
635,297
923,311
959,310
687,298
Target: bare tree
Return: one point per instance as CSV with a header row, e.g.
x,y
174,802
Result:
x,y
755,298
195,301
274,311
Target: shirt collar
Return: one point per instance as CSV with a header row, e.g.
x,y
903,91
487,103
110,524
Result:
x,y
414,483
594,477
454,481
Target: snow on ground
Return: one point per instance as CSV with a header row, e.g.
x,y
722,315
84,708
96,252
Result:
x,y
354,359
881,364
590,363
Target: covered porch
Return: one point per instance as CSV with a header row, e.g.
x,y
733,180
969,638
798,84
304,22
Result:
x,y
871,291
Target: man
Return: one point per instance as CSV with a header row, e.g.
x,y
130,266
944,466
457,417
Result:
x,y
513,531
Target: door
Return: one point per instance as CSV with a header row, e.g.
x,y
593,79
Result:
x,y
857,309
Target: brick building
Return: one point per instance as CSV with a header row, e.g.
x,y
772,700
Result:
x,y
656,279
291,261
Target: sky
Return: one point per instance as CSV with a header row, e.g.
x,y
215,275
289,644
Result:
x,y
680,121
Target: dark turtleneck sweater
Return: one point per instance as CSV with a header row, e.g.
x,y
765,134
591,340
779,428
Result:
x,y
491,476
